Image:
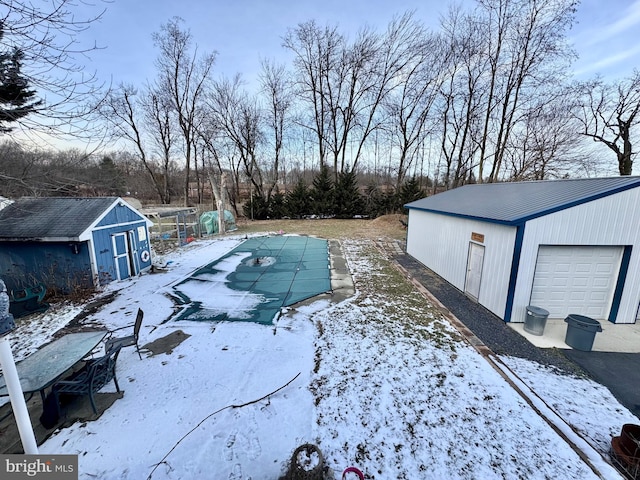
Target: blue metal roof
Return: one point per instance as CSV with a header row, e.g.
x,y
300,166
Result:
x,y
516,202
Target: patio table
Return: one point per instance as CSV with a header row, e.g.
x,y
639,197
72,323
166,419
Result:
x,y
47,365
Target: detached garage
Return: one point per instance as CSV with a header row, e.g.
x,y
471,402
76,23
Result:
x,y
67,243
568,246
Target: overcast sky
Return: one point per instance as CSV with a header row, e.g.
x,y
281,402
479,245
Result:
x,y
242,32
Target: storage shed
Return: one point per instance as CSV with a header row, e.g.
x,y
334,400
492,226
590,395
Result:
x,y
568,246
71,242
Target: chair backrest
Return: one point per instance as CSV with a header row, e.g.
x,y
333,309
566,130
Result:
x,y
138,324
103,369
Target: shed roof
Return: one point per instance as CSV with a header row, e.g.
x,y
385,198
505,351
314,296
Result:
x,y
51,217
516,202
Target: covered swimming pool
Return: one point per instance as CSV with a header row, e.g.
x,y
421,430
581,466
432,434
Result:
x,y
255,280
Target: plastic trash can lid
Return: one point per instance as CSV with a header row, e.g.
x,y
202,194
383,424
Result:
x,y
537,310
583,321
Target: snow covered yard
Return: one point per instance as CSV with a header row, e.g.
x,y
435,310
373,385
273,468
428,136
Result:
x,y
401,395
380,381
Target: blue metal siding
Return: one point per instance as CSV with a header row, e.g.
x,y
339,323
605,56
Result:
x,y
103,248
105,254
56,265
622,277
515,266
67,265
119,214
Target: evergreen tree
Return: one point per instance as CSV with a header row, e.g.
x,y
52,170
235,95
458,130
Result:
x,y
111,179
257,208
375,202
277,205
348,200
410,191
17,100
297,201
322,193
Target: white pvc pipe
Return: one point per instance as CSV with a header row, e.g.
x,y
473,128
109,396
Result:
x,y
18,403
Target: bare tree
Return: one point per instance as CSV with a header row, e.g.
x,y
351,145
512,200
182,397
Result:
x,y
609,114
346,83
39,172
219,153
462,93
45,36
130,117
417,86
277,90
159,121
183,76
22,171
537,57
316,53
240,118
508,54
545,142
219,190
350,98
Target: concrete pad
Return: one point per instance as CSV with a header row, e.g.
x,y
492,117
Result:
x,y
620,338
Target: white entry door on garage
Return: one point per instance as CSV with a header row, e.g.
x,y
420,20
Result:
x,y
576,279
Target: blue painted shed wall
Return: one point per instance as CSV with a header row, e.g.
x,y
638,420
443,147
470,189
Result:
x,y
104,252
120,214
25,264
55,264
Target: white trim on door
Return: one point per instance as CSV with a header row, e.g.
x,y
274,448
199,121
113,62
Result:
x,y
475,261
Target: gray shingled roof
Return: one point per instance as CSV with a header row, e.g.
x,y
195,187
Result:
x,y
51,217
517,202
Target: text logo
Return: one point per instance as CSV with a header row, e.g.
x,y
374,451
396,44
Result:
x,y
50,467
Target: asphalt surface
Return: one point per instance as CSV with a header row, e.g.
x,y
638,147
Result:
x,y
619,372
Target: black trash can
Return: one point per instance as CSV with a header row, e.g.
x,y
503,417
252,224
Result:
x,y
535,320
581,331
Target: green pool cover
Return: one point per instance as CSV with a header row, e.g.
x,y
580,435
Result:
x,y
256,280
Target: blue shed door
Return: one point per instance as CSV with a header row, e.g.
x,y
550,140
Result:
x,y
125,252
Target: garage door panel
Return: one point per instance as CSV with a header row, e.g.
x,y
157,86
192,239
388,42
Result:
x,y
606,269
558,297
581,282
594,313
603,283
598,297
576,279
577,296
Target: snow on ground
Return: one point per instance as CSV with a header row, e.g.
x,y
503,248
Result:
x,y
380,381
588,407
26,338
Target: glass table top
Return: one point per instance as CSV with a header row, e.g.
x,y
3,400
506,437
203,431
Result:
x,y
43,367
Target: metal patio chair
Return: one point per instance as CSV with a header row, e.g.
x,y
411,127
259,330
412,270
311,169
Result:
x,y
130,339
90,379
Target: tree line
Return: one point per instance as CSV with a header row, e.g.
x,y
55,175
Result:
x,y
486,97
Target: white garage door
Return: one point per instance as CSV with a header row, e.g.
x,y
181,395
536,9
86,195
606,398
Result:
x,y
572,279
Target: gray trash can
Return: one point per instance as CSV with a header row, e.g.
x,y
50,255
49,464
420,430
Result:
x,y
581,331
535,320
